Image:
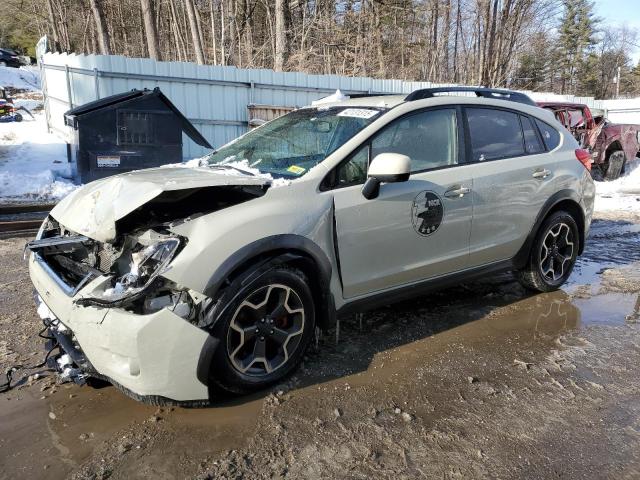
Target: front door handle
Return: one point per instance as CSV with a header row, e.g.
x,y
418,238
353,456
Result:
x,y
457,192
541,174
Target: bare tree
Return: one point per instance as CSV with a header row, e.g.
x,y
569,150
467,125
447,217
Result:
x,y
53,23
101,27
148,16
461,41
280,37
196,37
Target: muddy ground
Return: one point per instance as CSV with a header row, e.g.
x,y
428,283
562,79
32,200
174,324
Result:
x,y
479,381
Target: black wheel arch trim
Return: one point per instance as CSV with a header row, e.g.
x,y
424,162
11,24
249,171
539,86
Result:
x,y
281,249
521,258
205,361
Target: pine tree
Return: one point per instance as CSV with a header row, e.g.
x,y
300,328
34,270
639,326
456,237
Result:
x,y
577,36
534,65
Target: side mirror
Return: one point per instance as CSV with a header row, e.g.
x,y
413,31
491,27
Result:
x,y
387,168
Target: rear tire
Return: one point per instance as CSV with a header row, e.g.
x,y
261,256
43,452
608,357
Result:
x,y
264,329
553,254
615,165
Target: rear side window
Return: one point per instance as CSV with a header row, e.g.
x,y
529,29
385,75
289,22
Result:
x,y
550,135
532,143
494,134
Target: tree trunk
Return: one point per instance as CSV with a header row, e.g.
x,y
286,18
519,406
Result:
x,y
445,43
101,27
488,57
195,32
455,44
223,54
53,22
213,33
281,37
433,67
148,17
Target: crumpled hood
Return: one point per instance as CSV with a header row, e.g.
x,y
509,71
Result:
x,y
93,209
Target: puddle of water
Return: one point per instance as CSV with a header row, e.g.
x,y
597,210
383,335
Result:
x,y
529,324
33,444
584,273
609,309
610,244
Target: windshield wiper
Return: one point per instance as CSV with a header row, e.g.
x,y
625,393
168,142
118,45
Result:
x,y
231,167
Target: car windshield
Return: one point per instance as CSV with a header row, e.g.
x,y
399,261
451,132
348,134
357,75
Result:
x,y
291,145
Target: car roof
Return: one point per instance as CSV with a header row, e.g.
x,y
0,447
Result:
x,y
466,98
385,101
434,93
390,101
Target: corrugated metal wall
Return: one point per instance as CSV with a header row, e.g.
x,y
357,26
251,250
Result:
x,y
214,98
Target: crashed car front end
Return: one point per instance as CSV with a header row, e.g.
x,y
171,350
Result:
x,y
116,316
100,265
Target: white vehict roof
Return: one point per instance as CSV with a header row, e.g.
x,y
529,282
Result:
x,y
385,101
390,101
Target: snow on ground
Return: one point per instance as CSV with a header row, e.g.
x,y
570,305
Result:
x,y
33,163
622,194
23,78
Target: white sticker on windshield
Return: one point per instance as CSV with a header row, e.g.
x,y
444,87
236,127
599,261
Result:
x,y
357,113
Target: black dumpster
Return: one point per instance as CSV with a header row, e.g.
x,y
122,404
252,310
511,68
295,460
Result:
x,y
124,132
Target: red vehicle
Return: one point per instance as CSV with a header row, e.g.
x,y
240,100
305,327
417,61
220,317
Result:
x,y
612,145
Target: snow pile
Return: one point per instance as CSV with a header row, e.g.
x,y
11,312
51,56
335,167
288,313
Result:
x,y
23,78
338,96
621,194
230,167
33,163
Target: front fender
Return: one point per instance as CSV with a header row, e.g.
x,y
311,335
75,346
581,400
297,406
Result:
x,y
287,218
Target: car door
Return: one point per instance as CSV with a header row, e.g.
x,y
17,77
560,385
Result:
x,y
413,230
513,176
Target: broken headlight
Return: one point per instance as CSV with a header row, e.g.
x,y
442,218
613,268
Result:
x,y
147,262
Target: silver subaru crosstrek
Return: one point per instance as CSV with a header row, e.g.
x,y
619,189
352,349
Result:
x,y
178,283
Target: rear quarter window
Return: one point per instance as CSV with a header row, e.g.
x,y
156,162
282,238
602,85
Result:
x,y
532,143
550,135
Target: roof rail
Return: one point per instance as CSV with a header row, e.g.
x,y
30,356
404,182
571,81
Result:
x,y
370,94
496,94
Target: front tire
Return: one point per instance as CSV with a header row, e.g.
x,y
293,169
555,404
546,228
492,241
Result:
x,y
553,254
264,329
596,173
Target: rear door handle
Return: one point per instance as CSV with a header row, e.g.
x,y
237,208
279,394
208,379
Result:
x,y
541,174
457,191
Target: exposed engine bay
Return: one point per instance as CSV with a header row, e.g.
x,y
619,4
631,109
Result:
x,y
126,273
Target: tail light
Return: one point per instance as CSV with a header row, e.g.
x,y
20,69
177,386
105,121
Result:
x,y
584,157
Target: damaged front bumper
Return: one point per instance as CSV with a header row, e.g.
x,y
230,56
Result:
x,y
70,362
154,356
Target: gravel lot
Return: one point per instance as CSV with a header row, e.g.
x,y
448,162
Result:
x,y
479,381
